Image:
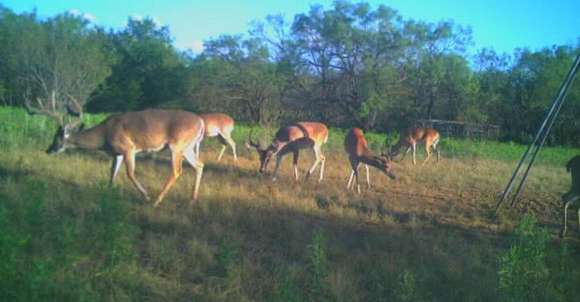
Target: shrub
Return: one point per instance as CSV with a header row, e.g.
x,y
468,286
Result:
x,y
523,272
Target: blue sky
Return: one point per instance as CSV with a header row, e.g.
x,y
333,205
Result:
x,y
502,25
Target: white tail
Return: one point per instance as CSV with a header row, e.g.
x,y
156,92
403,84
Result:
x,y
220,125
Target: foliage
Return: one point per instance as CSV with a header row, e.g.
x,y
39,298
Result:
x,y
47,255
349,64
532,270
523,274
55,63
318,267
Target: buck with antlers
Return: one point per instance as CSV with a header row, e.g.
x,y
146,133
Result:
x,y
220,125
409,139
358,152
124,135
292,139
572,197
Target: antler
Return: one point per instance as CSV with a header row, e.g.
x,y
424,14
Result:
x,y
250,143
43,109
76,109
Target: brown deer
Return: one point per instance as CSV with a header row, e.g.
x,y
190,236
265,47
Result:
x,y
124,135
409,139
358,152
572,197
220,125
292,139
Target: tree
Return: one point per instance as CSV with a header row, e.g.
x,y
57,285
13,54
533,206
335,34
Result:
x,y
149,71
58,63
252,83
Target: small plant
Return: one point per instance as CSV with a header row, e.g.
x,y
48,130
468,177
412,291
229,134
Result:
x,y
407,289
523,273
288,290
318,268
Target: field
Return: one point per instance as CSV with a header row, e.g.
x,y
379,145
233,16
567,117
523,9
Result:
x,y
428,236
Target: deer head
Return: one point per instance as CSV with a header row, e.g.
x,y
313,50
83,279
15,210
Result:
x,y
386,165
265,154
61,140
55,110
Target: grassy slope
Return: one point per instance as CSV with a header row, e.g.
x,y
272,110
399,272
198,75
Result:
x,y
427,236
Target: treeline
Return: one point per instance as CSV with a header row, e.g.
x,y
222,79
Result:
x,y
349,65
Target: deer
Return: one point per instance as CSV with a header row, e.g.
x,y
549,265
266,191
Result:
x,y
124,135
358,152
409,139
572,197
292,139
220,125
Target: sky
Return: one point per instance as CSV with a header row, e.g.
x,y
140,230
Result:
x,y
501,25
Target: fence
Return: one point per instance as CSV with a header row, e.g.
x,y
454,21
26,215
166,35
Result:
x,y
462,129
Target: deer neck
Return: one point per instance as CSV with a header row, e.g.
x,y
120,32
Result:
x,y
370,159
93,138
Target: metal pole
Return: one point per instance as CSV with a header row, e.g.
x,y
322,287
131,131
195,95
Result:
x,y
561,98
549,117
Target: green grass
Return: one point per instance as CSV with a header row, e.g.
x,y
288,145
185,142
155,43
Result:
x,y
429,236
23,130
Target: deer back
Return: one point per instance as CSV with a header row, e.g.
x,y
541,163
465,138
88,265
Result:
x,y
153,129
216,123
355,143
313,130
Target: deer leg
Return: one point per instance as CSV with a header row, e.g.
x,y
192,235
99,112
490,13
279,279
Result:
x,y
117,162
368,176
565,220
356,178
323,161
295,164
130,164
414,147
224,143
428,153
176,161
578,217
348,184
406,152
278,161
198,167
196,147
232,144
221,152
436,149
353,165
318,160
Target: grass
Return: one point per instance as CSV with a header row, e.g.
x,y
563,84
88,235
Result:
x,y
429,236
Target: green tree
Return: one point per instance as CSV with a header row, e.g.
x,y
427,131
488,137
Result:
x,y
149,71
57,63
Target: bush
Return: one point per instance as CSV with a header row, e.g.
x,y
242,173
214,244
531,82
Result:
x,y
532,270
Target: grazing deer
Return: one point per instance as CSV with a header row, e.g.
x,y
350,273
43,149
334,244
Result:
x,y
292,139
411,137
572,197
220,125
124,135
358,152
